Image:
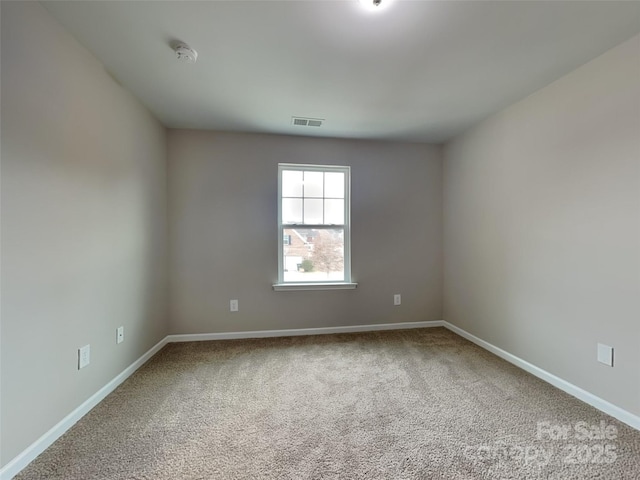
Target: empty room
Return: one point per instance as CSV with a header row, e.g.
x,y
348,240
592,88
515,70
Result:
x,y
351,239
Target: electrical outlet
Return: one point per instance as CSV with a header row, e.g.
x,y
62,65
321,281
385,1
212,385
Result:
x,y
397,299
605,354
84,356
233,305
120,334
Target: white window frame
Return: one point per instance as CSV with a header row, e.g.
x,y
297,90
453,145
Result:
x,y
347,283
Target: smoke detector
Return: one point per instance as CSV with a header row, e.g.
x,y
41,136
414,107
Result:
x,y
185,53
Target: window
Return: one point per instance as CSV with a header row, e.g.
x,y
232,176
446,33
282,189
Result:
x,y
314,227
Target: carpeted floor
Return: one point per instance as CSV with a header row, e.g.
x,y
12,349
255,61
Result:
x,y
410,404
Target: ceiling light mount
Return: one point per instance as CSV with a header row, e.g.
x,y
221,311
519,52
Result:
x,y
185,53
375,5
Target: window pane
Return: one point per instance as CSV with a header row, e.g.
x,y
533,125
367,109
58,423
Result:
x,y
319,261
314,204
313,184
291,183
334,212
313,210
291,210
334,185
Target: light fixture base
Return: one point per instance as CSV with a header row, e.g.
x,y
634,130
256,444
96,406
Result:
x,y
375,5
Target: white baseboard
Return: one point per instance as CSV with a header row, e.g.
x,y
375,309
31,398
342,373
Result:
x,y
589,398
36,448
30,453
294,332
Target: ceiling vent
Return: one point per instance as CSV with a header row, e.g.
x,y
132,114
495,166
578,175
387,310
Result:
x,y
307,122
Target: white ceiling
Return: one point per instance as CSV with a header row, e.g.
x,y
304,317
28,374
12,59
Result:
x,y
419,70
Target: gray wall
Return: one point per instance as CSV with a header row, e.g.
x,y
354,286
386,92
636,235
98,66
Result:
x,y
541,209
83,225
223,198
542,227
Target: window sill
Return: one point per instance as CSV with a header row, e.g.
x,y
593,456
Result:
x,y
279,287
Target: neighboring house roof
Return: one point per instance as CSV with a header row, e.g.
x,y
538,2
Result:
x,y
298,246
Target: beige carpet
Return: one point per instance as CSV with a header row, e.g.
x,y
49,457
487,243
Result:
x,y
411,404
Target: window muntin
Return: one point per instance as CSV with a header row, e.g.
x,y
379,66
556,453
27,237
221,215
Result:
x,y
313,215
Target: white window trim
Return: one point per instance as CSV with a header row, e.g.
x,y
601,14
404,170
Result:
x,y
280,287
347,283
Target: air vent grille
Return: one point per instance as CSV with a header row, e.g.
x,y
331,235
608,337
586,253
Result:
x,y
307,122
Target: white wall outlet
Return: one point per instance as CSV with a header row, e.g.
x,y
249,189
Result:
x,y
84,356
605,354
120,334
233,305
397,299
